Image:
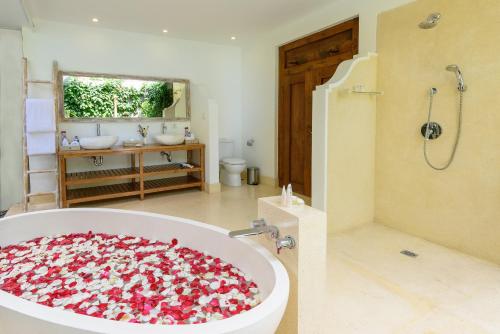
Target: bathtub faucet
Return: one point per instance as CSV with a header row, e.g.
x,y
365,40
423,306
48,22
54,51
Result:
x,y
260,226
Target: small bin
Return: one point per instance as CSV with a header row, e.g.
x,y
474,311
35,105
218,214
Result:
x,y
253,176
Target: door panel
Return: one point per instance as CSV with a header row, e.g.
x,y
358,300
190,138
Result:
x,y
303,65
323,75
321,49
297,131
293,146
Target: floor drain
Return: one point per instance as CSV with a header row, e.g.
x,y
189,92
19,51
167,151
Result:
x,y
408,253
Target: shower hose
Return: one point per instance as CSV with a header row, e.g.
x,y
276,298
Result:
x,y
457,138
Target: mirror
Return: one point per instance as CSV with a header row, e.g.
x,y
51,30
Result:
x,y
91,97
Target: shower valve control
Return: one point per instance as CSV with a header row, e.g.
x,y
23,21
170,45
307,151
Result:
x,y
431,130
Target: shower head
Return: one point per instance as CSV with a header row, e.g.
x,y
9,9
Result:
x,y
431,21
460,78
453,68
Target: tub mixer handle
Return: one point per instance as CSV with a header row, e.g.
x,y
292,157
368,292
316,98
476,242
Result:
x,y
285,242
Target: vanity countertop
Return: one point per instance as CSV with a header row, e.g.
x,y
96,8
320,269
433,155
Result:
x,y
130,150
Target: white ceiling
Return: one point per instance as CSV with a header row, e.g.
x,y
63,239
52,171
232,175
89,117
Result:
x,y
11,14
206,20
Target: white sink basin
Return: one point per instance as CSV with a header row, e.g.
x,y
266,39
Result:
x,y
170,139
98,142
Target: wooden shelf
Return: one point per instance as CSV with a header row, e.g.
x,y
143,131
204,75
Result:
x,y
134,180
169,169
91,194
172,183
126,173
101,175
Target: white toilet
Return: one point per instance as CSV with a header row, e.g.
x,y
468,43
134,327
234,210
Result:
x,y
230,167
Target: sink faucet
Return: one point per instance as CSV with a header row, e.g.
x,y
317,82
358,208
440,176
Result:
x,y
98,129
164,128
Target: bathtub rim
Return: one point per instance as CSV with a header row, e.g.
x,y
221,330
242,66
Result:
x,y
275,301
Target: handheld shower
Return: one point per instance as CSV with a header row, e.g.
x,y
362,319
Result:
x,y
432,130
460,78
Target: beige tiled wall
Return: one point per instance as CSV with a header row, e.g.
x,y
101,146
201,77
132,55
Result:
x,y
458,207
351,148
344,145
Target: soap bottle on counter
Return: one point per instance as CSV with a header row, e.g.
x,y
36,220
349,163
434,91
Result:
x,y
289,195
283,197
187,133
64,139
76,141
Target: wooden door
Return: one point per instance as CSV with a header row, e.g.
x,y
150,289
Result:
x,y
305,64
295,145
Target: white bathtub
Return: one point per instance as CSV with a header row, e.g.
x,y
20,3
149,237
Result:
x,y
21,316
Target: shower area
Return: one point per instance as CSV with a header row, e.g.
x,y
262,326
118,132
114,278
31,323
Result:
x,y
406,163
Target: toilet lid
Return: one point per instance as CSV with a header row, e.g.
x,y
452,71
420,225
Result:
x,y
233,161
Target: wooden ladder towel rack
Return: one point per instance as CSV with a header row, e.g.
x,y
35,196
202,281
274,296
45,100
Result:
x,y
27,171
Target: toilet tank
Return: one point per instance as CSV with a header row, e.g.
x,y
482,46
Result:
x,y
226,146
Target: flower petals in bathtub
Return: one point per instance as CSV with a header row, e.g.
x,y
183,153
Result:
x,y
126,279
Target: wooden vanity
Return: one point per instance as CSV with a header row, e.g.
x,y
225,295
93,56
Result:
x,y
136,180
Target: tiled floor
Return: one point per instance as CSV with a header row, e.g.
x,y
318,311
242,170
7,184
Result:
x,y
233,208
373,289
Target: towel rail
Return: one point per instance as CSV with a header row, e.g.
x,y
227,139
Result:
x,y
46,82
26,164
42,193
366,92
42,171
360,89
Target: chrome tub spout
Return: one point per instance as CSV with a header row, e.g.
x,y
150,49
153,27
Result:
x,y
259,227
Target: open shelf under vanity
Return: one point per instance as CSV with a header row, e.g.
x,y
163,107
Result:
x,y
136,180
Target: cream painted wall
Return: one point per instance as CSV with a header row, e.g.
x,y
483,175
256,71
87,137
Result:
x,y
260,70
458,207
11,119
214,72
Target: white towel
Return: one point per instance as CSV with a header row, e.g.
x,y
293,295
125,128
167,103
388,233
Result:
x,y
40,115
41,143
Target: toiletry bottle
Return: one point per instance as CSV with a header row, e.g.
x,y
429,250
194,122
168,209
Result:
x,y
64,139
283,197
289,195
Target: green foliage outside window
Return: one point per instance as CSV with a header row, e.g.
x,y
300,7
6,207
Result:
x,y
95,98
157,96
